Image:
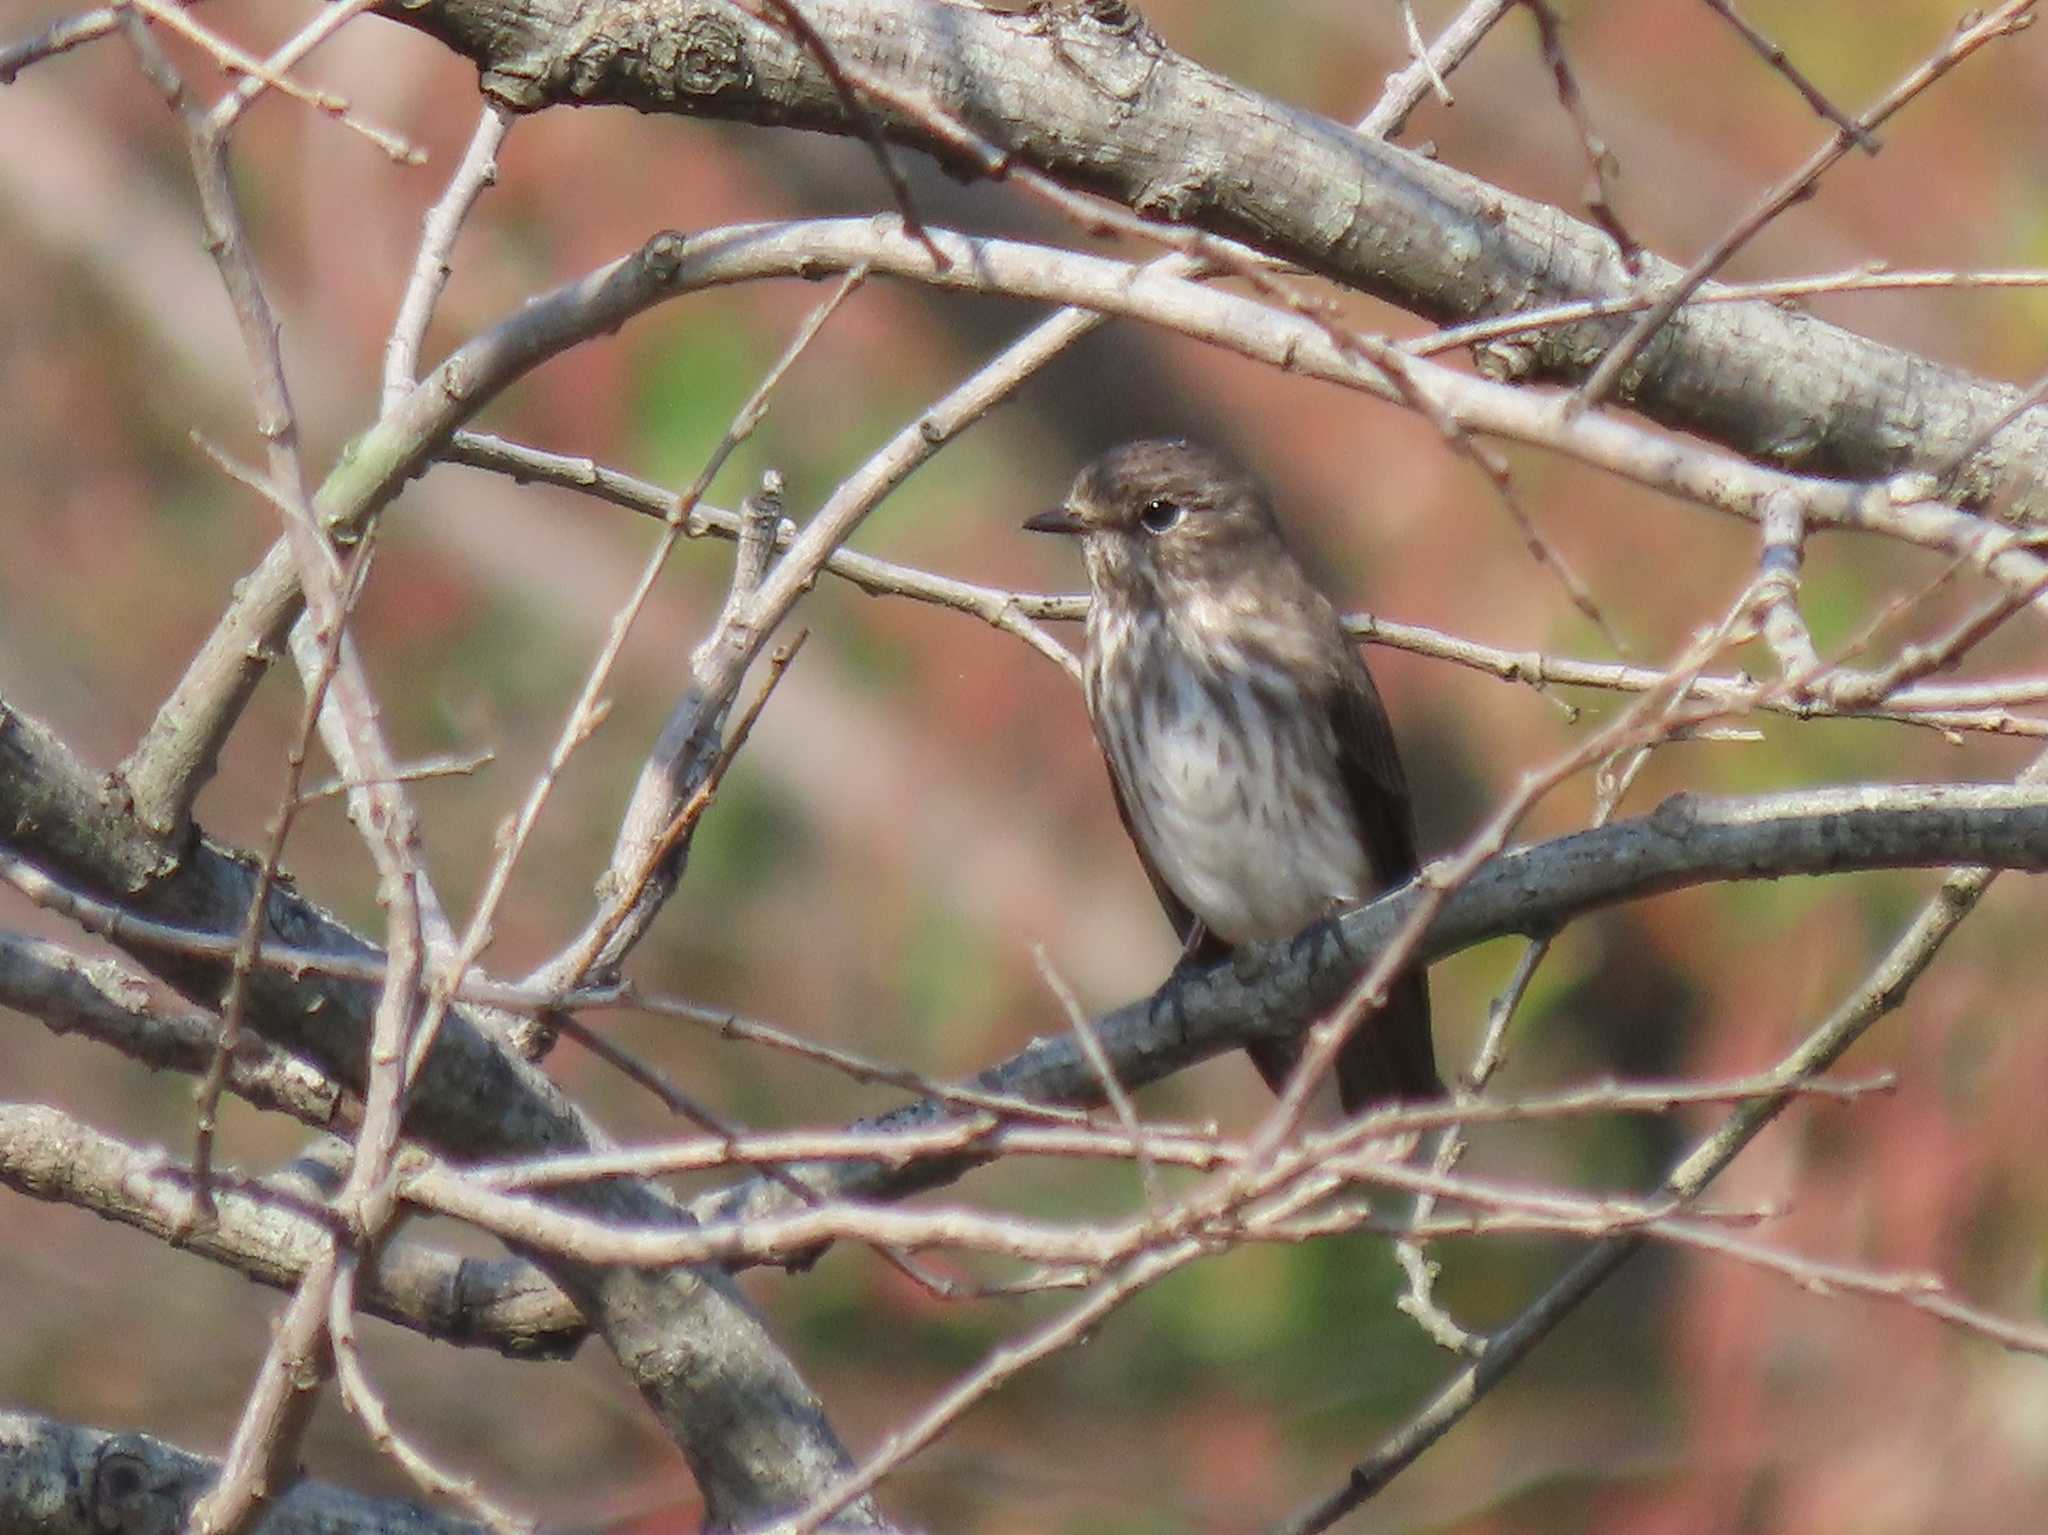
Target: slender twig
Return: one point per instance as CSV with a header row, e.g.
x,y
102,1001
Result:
x,y
1867,279
1779,561
1112,1089
1600,161
977,1384
59,37
1406,88
439,231
1202,1149
586,711
366,1404
424,771
279,1404
1418,53
2003,22
271,74
1881,992
292,799
1776,57
1009,612
813,42
1973,707
1837,690
1418,1300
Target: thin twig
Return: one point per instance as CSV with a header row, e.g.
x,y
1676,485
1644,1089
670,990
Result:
x,y
424,771
279,1404
1776,57
2006,20
813,42
1009,612
58,37
1882,991
1199,1148
271,74
1418,53
1600,161
1874,278
1971,707
1406,88
688,743
439,231
1112,1089
366,1405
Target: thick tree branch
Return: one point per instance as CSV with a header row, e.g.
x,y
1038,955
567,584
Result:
x,y
1279,989
176,753
755,1436
1268,993
1090,96
270,1230
106,1001
60,1479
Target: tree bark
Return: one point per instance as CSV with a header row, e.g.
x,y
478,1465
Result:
x,y
1092,97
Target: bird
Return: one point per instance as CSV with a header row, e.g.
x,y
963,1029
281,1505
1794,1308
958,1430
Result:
x,y
1253,764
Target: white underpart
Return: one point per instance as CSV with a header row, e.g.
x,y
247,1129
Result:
x,y
1253,859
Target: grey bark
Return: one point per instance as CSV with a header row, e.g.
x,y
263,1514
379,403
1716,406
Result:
x,y
1276,990
754,1435
1092,97
271,1230
58,1479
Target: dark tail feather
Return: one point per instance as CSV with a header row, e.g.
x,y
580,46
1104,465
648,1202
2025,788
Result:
x,y
1389,1056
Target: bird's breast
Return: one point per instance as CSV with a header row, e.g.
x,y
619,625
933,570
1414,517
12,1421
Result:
x,y
1229,773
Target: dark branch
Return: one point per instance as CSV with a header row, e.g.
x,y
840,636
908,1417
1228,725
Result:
x,y
60,1479
271,1230
1280,989
686,1338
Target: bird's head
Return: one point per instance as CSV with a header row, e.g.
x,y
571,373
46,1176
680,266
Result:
x,y
1165,515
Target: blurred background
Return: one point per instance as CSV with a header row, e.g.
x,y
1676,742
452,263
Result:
x,y
922,802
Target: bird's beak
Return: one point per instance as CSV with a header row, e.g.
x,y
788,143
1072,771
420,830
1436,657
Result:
x,y
1059,520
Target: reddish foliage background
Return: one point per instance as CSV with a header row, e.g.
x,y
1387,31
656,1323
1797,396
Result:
x,y
922,802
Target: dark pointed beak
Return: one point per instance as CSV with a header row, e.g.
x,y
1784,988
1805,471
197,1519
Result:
x,y
1058,520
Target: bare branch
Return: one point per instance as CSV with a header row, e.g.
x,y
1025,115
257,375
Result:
x,y
1405,89
106,1001
66,1480
1775,56
438,233
59,37
1600,163
1285,987
1112,108
1883,990
1607,376
272,1230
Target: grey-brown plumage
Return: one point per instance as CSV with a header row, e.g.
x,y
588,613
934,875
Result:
x,y
1250,755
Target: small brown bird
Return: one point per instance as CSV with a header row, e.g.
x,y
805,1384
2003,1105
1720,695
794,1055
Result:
x,y
1251,757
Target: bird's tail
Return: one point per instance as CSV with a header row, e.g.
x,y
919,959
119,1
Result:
x,y
1389,1057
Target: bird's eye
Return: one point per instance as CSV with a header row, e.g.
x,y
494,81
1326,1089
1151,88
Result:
x,y
1160,515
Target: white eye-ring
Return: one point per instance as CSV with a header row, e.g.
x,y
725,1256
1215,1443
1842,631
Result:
x,y
1160,515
